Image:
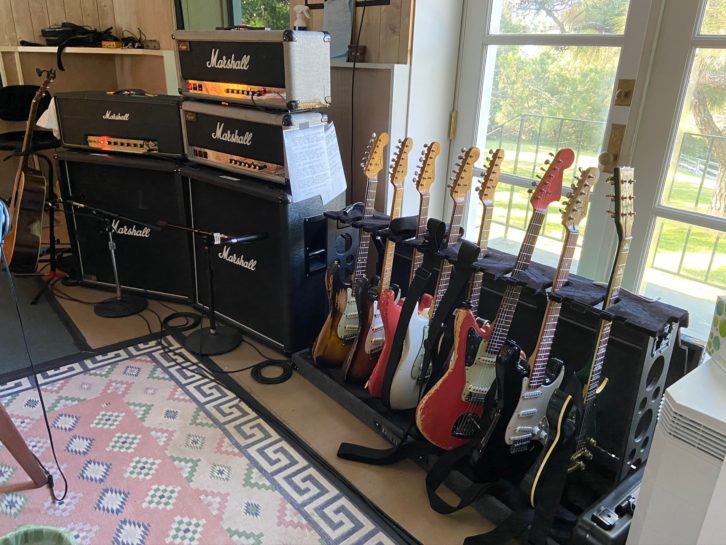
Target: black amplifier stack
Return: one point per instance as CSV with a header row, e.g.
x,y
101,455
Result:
x,y
212,159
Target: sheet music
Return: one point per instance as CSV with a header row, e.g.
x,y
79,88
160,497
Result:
x,y
313,163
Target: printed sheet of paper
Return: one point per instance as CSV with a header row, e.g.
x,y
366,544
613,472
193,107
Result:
x,y
313,163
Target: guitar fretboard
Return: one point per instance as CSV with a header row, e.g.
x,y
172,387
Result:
x,y
508,306
552,313
477,279
423,216
603,336
446,267
390,245
361,264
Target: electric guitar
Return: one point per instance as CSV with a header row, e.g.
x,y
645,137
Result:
x,y
366,347
341,325
22,244
447,414
442,411
389,308
515,424
408,379
560,410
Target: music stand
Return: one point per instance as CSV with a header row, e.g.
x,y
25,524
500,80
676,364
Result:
x,y
122,304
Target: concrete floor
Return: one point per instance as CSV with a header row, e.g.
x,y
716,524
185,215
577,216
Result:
x,y
398,490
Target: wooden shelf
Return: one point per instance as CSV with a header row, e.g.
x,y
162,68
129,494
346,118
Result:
x,y
83,50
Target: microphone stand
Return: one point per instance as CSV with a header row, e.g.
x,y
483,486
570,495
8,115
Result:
x,y
122,304
215,339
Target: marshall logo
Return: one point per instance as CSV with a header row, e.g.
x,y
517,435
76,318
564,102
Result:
x,y
233,137
115,117
130,231
239,260
228,64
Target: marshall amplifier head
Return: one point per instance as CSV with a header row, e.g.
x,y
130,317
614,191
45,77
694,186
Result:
x,y
241,140
282,70
127,123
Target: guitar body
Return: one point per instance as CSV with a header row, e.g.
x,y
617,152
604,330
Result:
x,y
406,383
359,364
493,458
446,414
390,313
562,427
22,245
330,350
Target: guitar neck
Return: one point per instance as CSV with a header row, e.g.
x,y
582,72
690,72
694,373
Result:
x,y
446,267
603,336
361,262
390,245
478,277
508,306
423,216
552,314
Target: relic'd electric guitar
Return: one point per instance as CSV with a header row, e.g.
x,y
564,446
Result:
x,y
22,244
408,380
446,414
623,215
341,326
511,431
367,345
390,309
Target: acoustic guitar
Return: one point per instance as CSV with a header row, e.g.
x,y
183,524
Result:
x,y
22,245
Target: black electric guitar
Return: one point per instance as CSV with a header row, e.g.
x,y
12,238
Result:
x,y
22,244
561,415
515,424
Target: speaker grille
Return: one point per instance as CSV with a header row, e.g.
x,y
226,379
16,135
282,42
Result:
x,y
692,433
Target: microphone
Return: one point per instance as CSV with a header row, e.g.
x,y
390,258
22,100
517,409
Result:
x,y
246,238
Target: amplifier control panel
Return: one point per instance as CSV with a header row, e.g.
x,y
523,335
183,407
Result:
x,y
128,145
244,165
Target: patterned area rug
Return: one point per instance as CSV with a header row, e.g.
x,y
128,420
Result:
x,y
156,454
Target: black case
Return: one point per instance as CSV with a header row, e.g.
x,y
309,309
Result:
x,y
91,113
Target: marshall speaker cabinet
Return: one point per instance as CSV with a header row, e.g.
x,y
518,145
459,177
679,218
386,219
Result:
x,y
146,189
283,70
273,288
126,123
241,140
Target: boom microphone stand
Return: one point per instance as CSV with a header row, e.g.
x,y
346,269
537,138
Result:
x,y
122,304
215,339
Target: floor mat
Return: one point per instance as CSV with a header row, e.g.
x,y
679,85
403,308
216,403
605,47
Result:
x,y
157,454
48,329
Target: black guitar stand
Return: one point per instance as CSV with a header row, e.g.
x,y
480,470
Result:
x,y
122,304
54,275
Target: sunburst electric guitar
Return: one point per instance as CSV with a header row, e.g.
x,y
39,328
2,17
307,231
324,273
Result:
x,y
622,212
367,345
21,247
389,308
515,422
443,414
341,325
408,378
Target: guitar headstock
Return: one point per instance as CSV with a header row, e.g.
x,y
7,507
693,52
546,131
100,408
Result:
x,y
426,173
579,200
48,77
491,177
549,188
464,173
399,165
622,197
373,159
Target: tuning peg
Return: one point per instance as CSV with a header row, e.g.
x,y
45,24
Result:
x,y
530,191
577,178
610,213
463,150
564,203
573,186
580,170
586,184
569,194
551,154
534,184
610,180
578,201
491,151
631,197
547,162
562,210
610,195
538,177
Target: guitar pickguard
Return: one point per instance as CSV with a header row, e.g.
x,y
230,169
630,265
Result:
x,y
376,335
529,419
404,386
348,324
480,371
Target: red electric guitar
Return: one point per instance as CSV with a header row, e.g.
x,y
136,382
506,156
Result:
x,y
367,345
389,309
447,414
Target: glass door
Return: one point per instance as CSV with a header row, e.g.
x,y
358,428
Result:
x,y
681,155
536,76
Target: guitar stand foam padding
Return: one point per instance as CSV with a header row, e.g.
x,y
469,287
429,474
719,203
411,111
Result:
x,y
580,290
352,214
650,316
536,277
495,264
372,225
